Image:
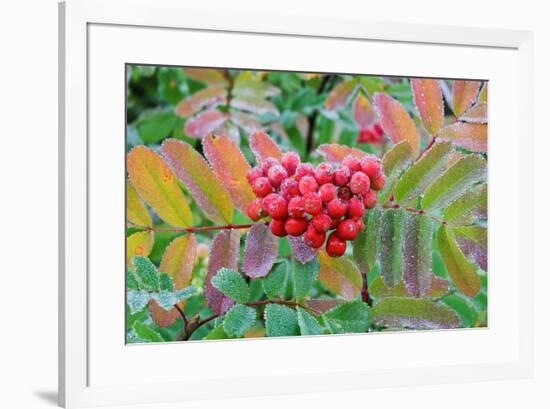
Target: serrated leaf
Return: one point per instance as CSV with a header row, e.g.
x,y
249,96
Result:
x,y
363,112
165,299
300,250
204,123
367,242
139,244
396,121
280,321
472,137
136,212
472,240
238,320
308,323
335,153
186,292
178,260
208,97
476,114
391,246
131,280
340,275
165,282
454,182
320,306
137,300
414,313
353,316
207,75
264,147
254,104
146,273
377,289
340,95
304,275
469,207
428,99
217,333
231,167
274,284
417,253
232,284
202,183
458,266
422,172
156,184
395,161
260,251
223,253
146,333
464,94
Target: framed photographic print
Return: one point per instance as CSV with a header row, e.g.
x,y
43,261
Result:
x,y
234,204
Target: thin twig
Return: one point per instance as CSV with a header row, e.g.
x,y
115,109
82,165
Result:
x,y
313,116
185,322
192,229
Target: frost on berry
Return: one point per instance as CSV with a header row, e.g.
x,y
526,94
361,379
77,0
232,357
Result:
x,y
341,176
308,184
276,174
323,173
304,169
300,250
312,203
359,183
328,192
296,207
290,162
260,251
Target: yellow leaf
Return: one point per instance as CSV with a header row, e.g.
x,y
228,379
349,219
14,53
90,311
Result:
x,y
139,244
136,212
340,275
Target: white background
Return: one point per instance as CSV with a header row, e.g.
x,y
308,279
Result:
x,y
28,169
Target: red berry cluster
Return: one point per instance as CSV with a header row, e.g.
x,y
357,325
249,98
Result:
x,y
372,134
302,199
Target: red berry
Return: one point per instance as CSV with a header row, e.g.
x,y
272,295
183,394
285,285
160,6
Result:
x,y
253,174
341,176
336,247
276,174
352,162
296,207
304,169
336,208
379,182
370,199
255,210
371,167
344,193
365,136
262,187
289,188
321,222
347,229
267,163
356,208
312,203
278,228
327,192
360,225
334,223
296,226
378,131
308,184
290,162
276,206
323,173
313,238
359,183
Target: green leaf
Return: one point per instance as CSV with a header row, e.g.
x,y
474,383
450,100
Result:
x,y
422,172
472,240
185,293
147,273
308,323
454,182
470,136
131,280
352,316
154,126
469,207
391,246
395,161
304,276
280,321
137,300
146,333
217,333
238,320
377,288
232,284
460,269
414,313
165,299
366,244
417,253
165,282
464,308
274,284
340,275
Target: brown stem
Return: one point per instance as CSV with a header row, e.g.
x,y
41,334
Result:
x,y
313,116
192,229
426,148
418,211
185,322
365,296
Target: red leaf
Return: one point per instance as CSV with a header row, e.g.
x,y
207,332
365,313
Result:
x,y
468,136
429,102
335,153
260,251
204,123
247,122
264,147
211,96
340,95
476,114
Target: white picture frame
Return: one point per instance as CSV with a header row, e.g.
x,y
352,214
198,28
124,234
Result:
x,y
80,384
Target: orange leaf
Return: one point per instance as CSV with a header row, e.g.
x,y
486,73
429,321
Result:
x,y
136,212
464,95
207,76
264,147
211,96
139,244
156,184
202,124
429,102
229,164
396,121
476,114
468,136
340,275
335,153
340,95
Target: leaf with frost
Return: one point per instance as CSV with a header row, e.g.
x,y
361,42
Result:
x,y
482,97
260,251
264,147
274,284
280,321
304,276
322,305
147,333
254,104
470,136
223,253
464,94
335,153
300,250
417,254
429,103
259,89
391,246
340,275
232,284
146,273
165,299
178,260
394,163
367,242
131,280
340,95
137,300
238,320
377,289
308,323
202,183
476,114
165,282
363,112
469,207
207,97
139,244
204,123
247,122
353,316
207,75
136,212
472,240
217,333
464,308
